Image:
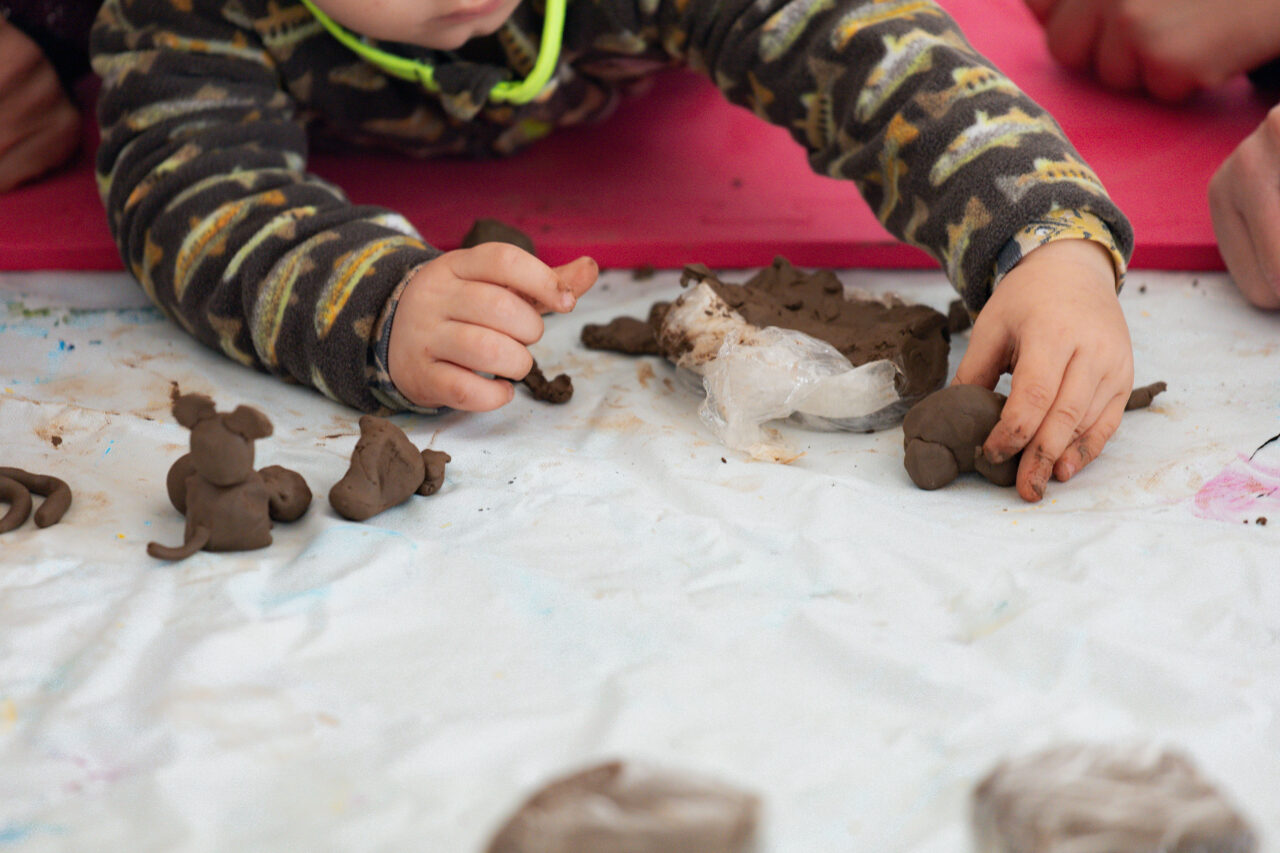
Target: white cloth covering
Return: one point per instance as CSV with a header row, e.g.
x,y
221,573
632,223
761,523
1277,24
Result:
x,y
601,580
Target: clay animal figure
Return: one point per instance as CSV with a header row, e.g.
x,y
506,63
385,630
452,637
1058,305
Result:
x,y
229,506
16,488
386,470
943,436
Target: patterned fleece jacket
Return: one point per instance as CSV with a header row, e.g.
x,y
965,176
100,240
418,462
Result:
x,y
206,108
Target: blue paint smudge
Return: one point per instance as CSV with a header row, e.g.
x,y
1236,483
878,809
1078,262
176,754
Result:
x,y
110,443
13,834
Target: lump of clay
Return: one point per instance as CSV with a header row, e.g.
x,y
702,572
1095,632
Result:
x,y
496,231
1105,799
228,505
914,337
943,436
558,390
624,808
16,488
385,471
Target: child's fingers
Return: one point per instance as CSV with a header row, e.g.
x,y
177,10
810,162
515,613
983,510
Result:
x,y
1244,200
495,307
987,355
514,268
578,275
1117,62
1033,389
1086,447
1041,8
480,349
1071,31
439,383
1056,430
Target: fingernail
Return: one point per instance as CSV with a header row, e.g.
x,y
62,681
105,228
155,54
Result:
x,y
566,300
1068,471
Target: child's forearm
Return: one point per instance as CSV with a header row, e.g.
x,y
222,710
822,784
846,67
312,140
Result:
x,y
202,171
950,155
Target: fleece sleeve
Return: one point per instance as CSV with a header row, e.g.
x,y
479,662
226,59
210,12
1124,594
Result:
x,y
202,171
948,152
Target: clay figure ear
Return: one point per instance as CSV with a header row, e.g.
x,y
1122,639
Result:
x,y
191,409
248,422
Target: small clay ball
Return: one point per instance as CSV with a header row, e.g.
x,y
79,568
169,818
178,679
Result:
x,y
943,436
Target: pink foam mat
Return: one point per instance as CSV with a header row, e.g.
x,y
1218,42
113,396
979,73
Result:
x,y
680,175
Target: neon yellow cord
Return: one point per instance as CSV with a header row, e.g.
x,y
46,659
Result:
x,y
508,91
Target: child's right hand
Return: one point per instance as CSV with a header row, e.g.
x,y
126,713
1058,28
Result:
x,y
474,311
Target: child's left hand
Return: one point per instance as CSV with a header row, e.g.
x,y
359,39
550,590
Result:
x,y
1054,319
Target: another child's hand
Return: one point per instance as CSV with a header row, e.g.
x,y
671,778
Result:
x,y
1054,319
475,311
1244,200
1168,48
39,126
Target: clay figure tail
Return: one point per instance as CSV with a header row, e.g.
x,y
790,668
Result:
x,y
186,549
19,499
56,494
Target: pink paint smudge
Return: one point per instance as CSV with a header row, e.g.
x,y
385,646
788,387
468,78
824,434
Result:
x,y
1244,491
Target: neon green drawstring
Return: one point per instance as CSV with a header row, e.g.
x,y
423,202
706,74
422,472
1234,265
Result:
x,y
508,91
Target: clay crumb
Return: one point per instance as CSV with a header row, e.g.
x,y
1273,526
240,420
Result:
x,y
558,390
644,272
1262,521
55,440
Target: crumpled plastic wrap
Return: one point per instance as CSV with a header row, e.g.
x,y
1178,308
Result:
x,y
754,375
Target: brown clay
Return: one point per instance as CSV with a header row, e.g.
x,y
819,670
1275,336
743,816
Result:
x,y
385,471
19,500
914,337
627,335
618,808
1140,398
496,231
1099,798
558,390
228,505
434,462
943,436
56,494
958,318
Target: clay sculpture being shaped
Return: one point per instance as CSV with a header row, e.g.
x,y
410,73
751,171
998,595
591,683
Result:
x,y
16,488
943,434
228,505
386,469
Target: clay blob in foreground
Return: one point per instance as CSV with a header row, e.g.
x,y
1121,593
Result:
x,y
16,488
620,807
228,505
1081,798
385,471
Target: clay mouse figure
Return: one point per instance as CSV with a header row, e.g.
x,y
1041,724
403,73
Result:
x,y
386,469
229,506
943,436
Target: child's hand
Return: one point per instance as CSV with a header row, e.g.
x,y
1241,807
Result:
x,y
39,126
1055,320
1244,199
1168,48
475,311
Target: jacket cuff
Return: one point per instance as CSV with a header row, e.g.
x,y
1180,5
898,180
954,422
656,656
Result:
x,y
1060,224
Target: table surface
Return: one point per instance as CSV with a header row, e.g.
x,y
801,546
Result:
x,y
602,579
